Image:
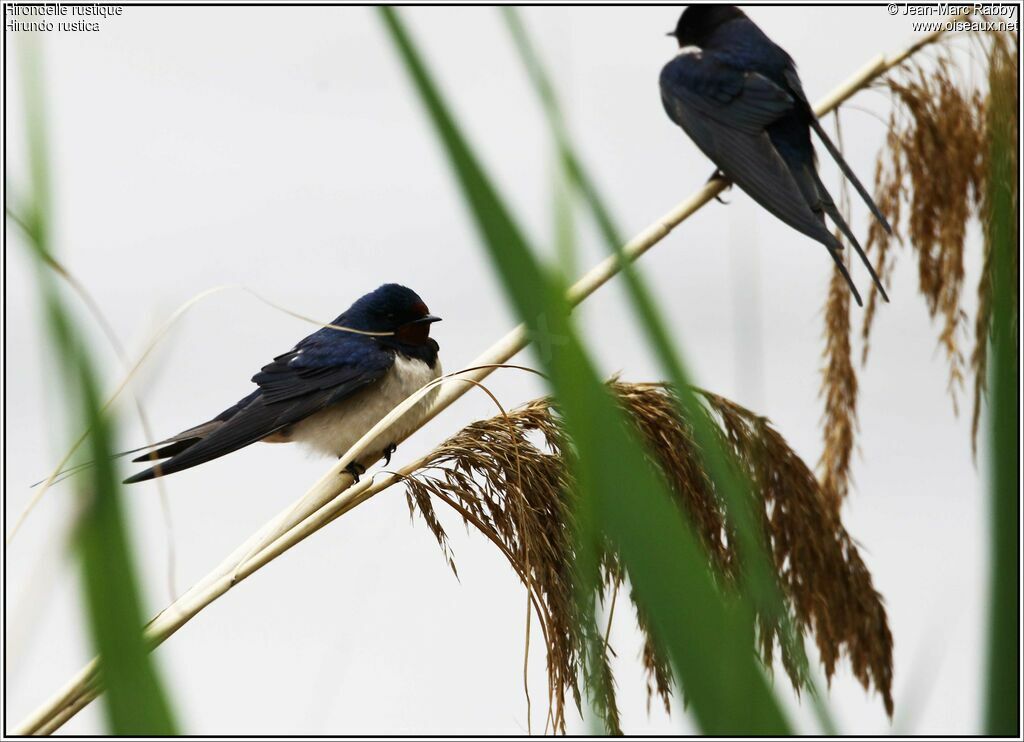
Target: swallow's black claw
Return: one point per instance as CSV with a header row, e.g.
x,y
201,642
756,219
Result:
x,y
720,176
388,452
356,470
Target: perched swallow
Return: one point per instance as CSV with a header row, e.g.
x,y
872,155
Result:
x,y
739,98
327,391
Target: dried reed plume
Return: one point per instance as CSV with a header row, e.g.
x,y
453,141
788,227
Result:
x,y
509,478
935,154
839,387
931,179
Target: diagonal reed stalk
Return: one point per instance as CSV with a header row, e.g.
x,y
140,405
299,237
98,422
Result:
x,y
336,493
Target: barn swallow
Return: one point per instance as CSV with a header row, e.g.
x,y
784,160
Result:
x,y
738,96
327,391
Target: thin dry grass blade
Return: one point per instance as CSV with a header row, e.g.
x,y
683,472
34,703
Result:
x,y
150,347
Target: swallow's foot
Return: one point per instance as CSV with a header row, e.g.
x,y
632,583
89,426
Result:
x,y
356,470
388,452
719,175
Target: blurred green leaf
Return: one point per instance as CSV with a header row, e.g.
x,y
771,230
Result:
x,y
562,197
708,637
1003,696
135,700
759,576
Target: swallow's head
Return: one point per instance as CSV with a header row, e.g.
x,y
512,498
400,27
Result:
x,y
393,309
698,22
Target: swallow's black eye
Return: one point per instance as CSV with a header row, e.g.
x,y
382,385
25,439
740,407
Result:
x,y
414,333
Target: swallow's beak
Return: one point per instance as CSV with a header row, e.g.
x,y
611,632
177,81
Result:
x,y
425,320
671,33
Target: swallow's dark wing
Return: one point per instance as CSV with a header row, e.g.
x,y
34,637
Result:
x,y
308,378
742,100
186,438
725,111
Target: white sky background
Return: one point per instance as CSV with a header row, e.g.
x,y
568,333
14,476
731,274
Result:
x,y
284,149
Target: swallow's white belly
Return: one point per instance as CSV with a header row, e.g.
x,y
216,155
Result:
x,y
334,430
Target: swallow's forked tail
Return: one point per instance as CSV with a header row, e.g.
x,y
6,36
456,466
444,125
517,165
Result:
x,y
848,172
63,474
819,202
833,212
168,447
829,206
838,258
